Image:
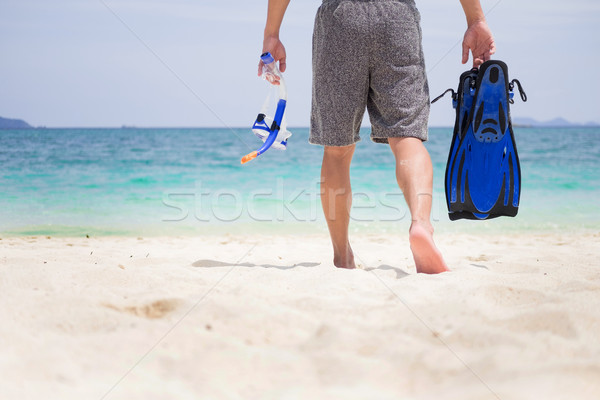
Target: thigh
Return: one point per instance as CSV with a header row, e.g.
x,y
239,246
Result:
x,y
340,72
398,101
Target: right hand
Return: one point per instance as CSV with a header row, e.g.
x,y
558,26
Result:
x,y
480,41
274,46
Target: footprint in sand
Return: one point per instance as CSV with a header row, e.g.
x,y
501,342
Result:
x,y
154,310
578,286
509,296
555,322
481,257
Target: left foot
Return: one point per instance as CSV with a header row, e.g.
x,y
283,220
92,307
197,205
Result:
x,y
345,259
428,258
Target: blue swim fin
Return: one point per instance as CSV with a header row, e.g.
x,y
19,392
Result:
x,y
483,175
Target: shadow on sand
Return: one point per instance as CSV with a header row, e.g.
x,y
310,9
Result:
x,y
399,272
220,264
217,264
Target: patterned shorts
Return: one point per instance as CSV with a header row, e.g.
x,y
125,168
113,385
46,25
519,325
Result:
x,y
368,54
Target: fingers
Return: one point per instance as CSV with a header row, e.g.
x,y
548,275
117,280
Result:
x,y
465,53
282,64
273,80
479,55
480,58
491,50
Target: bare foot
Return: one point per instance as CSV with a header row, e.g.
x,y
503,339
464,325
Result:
x,y
346,260
428,258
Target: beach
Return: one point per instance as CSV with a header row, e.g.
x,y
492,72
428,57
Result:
x,y
141,260
268,316
149,264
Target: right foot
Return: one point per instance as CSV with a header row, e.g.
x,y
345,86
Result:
x,y
344,261
428,258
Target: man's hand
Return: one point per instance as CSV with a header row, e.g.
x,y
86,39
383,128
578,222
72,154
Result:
x,y
479,39
274,46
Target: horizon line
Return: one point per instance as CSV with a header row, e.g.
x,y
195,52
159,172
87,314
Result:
x,y
522,125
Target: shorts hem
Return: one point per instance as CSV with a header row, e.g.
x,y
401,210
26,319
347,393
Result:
x,y
318,142
384,138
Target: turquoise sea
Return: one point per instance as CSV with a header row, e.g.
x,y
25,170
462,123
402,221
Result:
x,y
140,182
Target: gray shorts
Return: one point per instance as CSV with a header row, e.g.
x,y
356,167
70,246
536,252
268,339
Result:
x,y
368,53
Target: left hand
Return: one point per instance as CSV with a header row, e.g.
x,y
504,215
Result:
x,y
479,39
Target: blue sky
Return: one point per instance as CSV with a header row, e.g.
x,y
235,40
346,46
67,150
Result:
x,y
69,63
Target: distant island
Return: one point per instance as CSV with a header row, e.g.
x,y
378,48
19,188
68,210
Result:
x,y
6,123
554,123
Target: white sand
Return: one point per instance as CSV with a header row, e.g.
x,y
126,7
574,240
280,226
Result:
x,y
271,318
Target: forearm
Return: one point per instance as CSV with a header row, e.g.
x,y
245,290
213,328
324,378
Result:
x,y
276,10
473,11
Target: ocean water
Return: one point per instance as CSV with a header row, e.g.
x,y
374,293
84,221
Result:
x,y
140,182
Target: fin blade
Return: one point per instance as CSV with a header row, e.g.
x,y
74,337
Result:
x,y
483,175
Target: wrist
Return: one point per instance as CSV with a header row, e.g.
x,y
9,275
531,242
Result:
x,y
475,21
271,34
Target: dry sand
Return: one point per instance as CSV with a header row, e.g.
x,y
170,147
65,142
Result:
x,y
270,318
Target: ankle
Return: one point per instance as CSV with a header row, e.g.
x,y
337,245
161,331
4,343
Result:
x,y
419,225
343,258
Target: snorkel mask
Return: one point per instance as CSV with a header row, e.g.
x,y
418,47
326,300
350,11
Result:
x,y
271,130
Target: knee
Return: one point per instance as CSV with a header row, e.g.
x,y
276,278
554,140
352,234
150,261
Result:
x,y
339,152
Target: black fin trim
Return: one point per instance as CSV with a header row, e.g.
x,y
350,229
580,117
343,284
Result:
x,y
443,94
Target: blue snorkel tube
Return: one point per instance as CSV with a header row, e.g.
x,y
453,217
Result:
x,y
271,131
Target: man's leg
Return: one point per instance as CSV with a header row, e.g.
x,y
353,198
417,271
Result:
x,y
414,174
336,199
